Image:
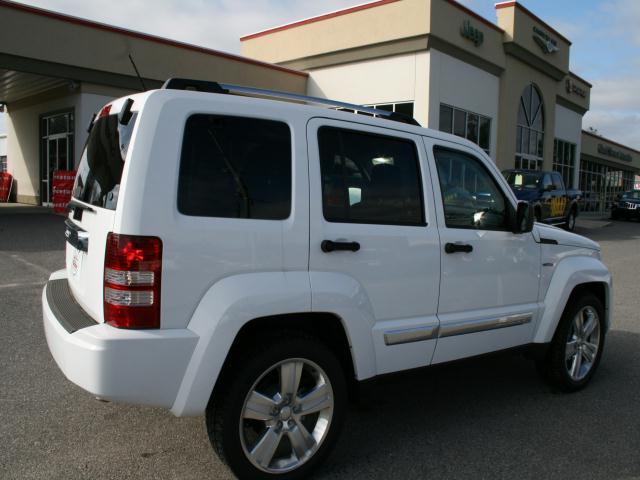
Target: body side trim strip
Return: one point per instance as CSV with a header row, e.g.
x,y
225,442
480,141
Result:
x,y
410,335
482,325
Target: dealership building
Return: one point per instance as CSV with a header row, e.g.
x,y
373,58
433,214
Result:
x,y
505,86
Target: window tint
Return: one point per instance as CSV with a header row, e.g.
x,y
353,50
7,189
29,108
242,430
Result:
x,y
546,181
369,178
98,179
470,195
235,167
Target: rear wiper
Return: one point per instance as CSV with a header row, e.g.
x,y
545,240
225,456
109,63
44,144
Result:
x,y
74,204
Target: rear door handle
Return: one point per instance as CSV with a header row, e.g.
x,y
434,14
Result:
x,y
458,247
329,246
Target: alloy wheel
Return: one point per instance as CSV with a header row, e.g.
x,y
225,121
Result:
x,y
286,415
583,343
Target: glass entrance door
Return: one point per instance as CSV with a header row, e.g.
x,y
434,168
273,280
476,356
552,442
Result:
x,y
57,151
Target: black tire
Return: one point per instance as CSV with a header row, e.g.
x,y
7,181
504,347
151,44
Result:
x,y
228,400
614,216
554,367
570,222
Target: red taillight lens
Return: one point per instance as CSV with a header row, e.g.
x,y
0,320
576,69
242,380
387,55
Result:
x,y
132,274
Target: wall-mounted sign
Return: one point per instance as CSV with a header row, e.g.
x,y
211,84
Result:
x,y
470,32
546,43
573,87
610,152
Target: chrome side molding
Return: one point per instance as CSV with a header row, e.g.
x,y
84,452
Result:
x,y
419,334
410,335
482,325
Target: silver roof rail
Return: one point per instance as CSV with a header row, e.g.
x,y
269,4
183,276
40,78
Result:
x,y
223,88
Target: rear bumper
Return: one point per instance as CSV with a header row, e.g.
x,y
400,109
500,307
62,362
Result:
x,y
143,367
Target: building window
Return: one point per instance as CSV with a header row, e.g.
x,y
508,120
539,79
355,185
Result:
x,y
600,185
530,130
3,163
469,125
404,108
564,160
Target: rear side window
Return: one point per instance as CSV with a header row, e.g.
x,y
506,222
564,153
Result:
x,y
235,167
98,178
369,178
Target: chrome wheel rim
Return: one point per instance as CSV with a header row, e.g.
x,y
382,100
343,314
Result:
x,y
286,415
583,343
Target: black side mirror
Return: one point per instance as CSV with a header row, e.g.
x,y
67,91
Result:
x,y
550,188
523,219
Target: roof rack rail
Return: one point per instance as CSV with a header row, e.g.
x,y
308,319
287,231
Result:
x,y
222,88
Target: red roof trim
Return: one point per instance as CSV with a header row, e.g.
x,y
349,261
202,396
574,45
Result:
x,y
144,36
571,74
475,15
318,18
610,141
532,15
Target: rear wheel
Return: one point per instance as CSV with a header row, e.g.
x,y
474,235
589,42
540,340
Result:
x,y
281,412
576,348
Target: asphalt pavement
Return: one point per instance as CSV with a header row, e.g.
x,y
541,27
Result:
x,y
488,418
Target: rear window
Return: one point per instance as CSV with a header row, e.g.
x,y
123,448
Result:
x,y
98,179
235,167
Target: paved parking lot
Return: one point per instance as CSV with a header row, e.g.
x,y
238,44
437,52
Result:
x,y
490,418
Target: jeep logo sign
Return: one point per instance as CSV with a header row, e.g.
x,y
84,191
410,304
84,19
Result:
x,y
546,43
470,32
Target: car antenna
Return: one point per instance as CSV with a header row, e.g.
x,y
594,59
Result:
x,y
144,87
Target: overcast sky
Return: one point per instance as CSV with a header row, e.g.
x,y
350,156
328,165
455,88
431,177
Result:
x,y
605,36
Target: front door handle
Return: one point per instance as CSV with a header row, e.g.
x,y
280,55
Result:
x,y
329,246
458,247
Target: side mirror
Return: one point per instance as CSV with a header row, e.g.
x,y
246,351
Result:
x,y
550,188
523,218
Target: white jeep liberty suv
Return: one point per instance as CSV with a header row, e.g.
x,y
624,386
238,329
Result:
x,y
252,259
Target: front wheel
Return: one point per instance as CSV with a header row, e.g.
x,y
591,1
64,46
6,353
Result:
x,y
281,412
576,348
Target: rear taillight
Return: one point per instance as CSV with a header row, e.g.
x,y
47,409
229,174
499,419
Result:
x,y
132,273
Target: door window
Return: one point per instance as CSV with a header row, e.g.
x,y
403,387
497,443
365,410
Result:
x,y
369,178
470,195
557,181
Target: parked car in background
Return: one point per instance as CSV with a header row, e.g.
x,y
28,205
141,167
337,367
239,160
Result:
x,y
627,206
553,203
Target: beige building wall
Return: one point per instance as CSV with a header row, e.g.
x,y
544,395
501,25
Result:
x,y
101,48
461,85
401,78
385,21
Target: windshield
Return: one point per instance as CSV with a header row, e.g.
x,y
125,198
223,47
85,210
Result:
x,y
635,195
98,179
523,180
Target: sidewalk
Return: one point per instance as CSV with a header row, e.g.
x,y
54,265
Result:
x,y
22,208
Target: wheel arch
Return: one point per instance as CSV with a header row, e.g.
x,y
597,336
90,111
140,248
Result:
x,y
326,327
573,277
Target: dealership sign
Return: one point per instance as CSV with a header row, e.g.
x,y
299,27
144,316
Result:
x,y
546,43
610,152
470,32
573,87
